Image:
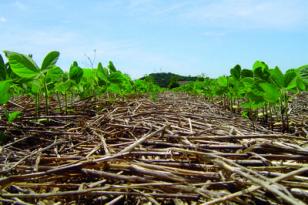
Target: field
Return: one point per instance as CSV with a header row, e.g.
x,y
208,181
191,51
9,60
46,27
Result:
x,y
95,136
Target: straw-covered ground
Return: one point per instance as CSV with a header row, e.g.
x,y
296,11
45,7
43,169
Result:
x,y
177,149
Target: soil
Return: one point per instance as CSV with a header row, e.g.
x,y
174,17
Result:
x,y
177,149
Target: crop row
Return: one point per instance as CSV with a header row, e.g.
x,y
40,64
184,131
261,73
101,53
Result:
x,y
259,92
21,76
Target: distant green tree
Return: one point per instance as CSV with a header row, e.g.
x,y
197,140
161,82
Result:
x,y
164,79
173,82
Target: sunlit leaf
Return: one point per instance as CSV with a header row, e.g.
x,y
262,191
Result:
x,y
271,92
22,65
2,69
50,60
54,74
12,116
260,64
4,90
277,77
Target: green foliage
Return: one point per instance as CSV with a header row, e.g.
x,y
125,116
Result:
x,y
5,91
12,116
303,72
222,81
2,69
260,64
22,65
277,77
75,73
164,79
50,60
22,76
246,73
28,71
247,90
111,67
290,79
146,86
174,82
236,72
271,93
260,88
54,74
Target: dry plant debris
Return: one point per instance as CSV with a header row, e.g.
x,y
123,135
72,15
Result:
x,y
175,150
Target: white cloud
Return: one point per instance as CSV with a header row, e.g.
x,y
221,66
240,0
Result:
x,y
213,19
214,34
246,14
3,19
249,13
154,7
20,5
133,4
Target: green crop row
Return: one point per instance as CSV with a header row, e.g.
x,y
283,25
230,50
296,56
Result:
x,y
21,76
260,92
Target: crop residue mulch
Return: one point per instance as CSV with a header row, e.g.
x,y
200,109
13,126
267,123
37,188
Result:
x,y
175,150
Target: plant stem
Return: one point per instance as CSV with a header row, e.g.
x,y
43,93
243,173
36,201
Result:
x,y
286,104
59,102
282,114
270,117
37,104
65,99
46,97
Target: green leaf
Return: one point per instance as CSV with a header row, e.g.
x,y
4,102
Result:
x,y
13,116
244,114
246,73
4,90
114,88
75,64
277,76
36,86
300,84
111,67
271,93
2,69
292,85
22,65
102,75
54,74
260,64
290,79
236,72
247,85
303,72
50,60
63,87
261,74
75,73
222,81
117,77
100,66
1,61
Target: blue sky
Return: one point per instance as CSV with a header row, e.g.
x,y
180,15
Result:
x,y
143,36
